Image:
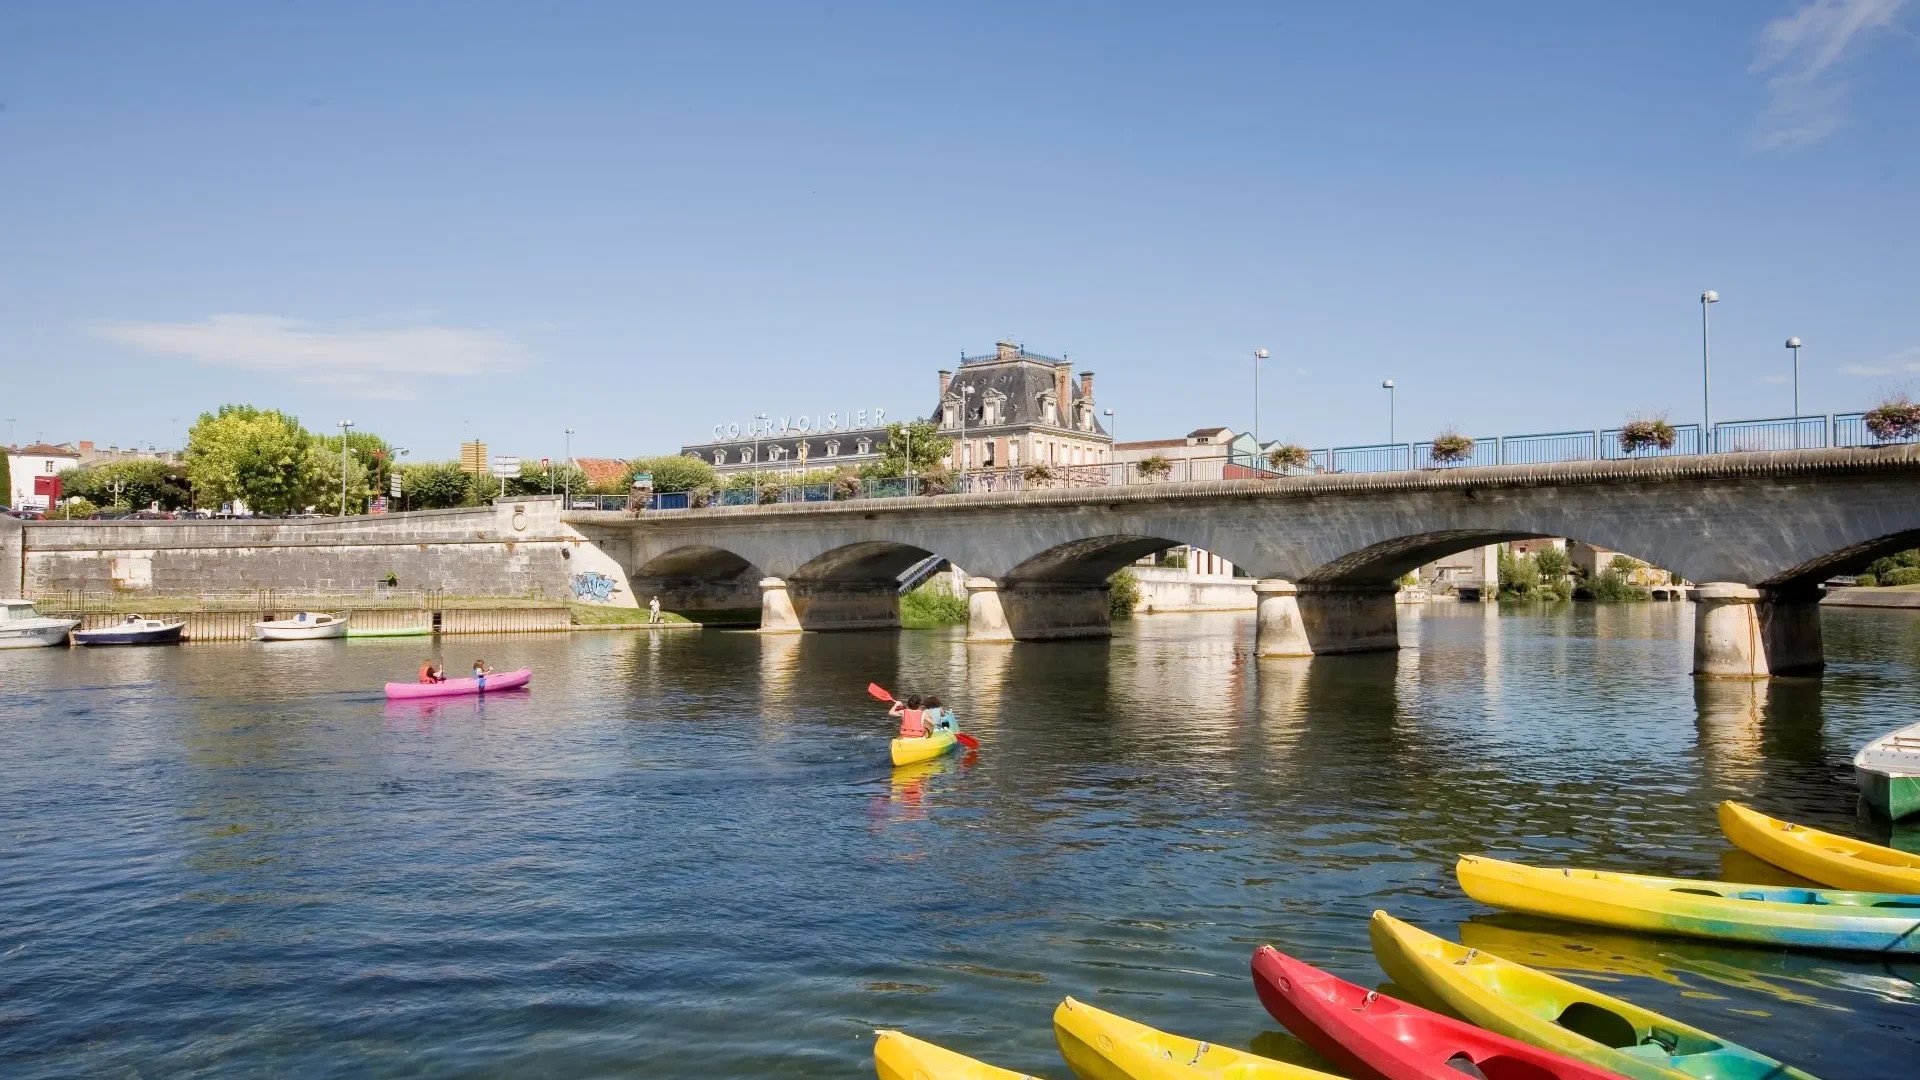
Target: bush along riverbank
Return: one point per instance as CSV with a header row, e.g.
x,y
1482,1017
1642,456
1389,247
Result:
x,y
930,606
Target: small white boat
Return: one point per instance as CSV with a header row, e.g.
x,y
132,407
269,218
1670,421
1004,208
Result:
x,y
306,626
1888,771
23,627
134,630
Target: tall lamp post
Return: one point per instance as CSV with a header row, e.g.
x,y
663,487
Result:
x,y
1113,439
759,421
566,485
344,451
398,453
1794,344
1258,355
966,451
1387,385
1706,372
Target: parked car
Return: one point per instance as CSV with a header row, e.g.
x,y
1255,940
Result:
x,y
26,513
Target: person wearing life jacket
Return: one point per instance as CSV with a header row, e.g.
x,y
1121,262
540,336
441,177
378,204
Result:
x,y
913,718
431,674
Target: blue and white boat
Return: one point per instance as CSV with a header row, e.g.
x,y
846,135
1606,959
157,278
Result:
x,y
22,627
135,630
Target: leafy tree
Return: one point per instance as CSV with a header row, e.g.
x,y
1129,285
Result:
x,y
929,450
1123,592
261,457
1552,562
1882,567
374,458
6,477
359,479
437,485
142,483
1519,576
671,472
536,479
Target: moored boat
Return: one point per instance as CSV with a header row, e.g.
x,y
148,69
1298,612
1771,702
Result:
x,y
909,751
903,1057
423,630
1888,772
1828,858
23,627
306,626
1722,910
1366,1033
1100,1045
494,683
1554,1014
133,630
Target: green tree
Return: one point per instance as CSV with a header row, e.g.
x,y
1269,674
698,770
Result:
x,y
536,479
1123,592
671,472
6,478
141,483
929,450
359,479
374,459
1552,562
261,457
436,485
1519,576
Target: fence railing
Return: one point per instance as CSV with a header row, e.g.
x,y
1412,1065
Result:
x,y
1544,448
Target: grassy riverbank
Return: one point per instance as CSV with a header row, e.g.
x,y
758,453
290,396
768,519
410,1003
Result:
x,y
928,607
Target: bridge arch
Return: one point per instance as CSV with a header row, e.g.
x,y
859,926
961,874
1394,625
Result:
x,y
700,581
1851,559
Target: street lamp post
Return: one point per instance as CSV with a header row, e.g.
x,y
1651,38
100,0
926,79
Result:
x,y
344,451
966,451
1794,344
1706,372
1258,355
1113,439
566,485
398,453
1387,385
758,421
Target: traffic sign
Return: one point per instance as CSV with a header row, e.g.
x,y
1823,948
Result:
x,y
505,466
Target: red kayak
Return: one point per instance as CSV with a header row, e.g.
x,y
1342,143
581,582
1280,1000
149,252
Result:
x,y
499,680
1369,1034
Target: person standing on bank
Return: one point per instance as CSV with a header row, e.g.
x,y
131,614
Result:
x,y
653,611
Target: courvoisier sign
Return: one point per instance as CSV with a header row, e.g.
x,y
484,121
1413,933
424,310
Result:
x,y
803,424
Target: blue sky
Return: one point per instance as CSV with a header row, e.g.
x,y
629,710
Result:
x,y
506,219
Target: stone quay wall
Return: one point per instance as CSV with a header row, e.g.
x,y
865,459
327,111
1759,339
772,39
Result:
x,y
514,548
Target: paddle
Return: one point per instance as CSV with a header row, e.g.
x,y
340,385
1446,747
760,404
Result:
x,y
960,737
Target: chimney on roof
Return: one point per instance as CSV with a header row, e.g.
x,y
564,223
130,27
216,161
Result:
x,y
1060,392
1086,385
1006,350
946,380
86,447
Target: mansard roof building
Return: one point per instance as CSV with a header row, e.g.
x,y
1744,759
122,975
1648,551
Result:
x,y
1011,408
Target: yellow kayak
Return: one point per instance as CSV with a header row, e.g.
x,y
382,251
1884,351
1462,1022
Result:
x,y
1554,1014
1101,1046
908,751
1722,910
903,1057
1825,857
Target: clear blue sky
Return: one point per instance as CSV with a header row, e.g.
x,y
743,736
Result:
x,y
638,220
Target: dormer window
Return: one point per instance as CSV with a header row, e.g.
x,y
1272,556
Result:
x,y
833,447
746,455
1050,409
950,413
719,457
864,446
1083,416
776,453
993,408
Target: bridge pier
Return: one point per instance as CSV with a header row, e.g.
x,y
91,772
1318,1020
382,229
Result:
x,y
1278,629
847,605
1035,611
1740,632
1314,619
777,615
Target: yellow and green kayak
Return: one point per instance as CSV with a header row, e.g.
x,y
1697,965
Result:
x,y
1722,910
903,1057
1554,1014
1825,857
908,751
1099,1045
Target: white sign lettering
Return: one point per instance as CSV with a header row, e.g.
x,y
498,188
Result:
x,y
803,423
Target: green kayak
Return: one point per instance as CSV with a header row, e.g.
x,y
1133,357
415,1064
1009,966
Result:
x,y
396,631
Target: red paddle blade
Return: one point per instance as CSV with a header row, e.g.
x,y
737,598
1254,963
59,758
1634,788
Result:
x,y
966,740
874,689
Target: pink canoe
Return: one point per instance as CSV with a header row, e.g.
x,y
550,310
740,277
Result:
x,y
499,680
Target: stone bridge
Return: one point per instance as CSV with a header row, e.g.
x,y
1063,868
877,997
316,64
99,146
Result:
x,y
1759,531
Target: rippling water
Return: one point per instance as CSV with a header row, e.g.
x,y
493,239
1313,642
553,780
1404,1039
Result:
x,y
683,854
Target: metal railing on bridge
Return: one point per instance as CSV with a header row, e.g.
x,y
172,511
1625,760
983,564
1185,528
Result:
x,y
1544,448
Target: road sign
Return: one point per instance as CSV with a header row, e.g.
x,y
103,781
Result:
x,y
504,467
393,485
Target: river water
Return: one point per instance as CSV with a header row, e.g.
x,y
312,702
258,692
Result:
x,y
683,853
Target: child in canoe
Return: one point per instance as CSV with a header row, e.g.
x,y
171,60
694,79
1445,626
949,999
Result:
x,y
913,717
431,673
938,717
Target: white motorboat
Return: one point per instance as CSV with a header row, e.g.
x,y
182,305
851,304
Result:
x,y
23,627
1888,771
306,626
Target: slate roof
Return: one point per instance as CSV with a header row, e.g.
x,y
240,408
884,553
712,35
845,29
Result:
x,y
1023,378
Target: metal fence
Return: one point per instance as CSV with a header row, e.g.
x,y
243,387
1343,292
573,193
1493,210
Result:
x,y
1544,448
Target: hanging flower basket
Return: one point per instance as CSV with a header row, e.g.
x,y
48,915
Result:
x,y
1040,476
1290,456
1646,434
1156,467
1894,420
1450,447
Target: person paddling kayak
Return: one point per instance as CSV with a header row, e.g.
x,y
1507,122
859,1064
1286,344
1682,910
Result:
x,y
913,718
431,673
938,716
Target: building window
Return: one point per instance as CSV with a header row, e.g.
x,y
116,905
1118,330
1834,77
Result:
x,y
987,454
719,457
1013,454
967,456
949,415
1050,409
776,453
49,469
746,455
833,447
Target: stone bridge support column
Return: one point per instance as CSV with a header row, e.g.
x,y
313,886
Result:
x,y
847,605
777,615
1279,630
1035,611
1341,618
1740,632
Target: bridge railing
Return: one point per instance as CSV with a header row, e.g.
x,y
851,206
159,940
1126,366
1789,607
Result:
x,y
1484,452
1784,433
1686,440
1850,429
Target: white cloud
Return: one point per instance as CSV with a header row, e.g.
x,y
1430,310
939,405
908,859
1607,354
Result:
x,y
1864,371
369,363
1807,98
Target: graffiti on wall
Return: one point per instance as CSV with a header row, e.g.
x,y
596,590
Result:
x,y
590,587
